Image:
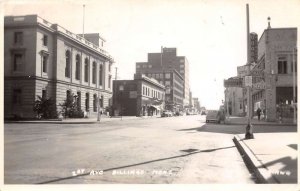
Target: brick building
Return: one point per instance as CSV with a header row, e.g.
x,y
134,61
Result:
x,y
142,96
45,59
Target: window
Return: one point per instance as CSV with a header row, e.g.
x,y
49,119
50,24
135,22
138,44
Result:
x,y
17,96
87,102
109,67
86,70
292,66
181,71
45,61
44,94
150,66
95,103
18,38
143,90
109,81
167,83
18,62
137,66
45,40
94,72
167,75
68,64
156,76
282,65
181,66
100,75
182,60
161,76
77,67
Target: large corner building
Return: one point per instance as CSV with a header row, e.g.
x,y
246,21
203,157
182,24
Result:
x,y
45,59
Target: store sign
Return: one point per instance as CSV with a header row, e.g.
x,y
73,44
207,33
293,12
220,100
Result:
x,y
248,81
242,70
260,85
234,82
257,72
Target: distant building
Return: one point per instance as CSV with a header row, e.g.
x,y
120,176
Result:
x,y
234,101
197,104
168,60
45,59
142,96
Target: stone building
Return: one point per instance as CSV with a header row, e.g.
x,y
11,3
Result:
x,y
45,59
277,59
143,96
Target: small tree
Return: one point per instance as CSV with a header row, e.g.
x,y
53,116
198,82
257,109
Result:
x,y
45,108
70,108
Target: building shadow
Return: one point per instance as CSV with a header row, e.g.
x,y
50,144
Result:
x,y
188,151
241,129
288,174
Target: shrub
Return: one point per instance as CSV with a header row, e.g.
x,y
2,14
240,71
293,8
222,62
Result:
x,y
45,108
70,109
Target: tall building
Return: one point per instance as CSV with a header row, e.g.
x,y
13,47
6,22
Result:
x,y
45,59
168,60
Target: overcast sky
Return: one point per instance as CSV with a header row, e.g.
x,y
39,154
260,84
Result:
x,y
211,34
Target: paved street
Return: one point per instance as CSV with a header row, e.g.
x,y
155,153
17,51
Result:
x,y
154,150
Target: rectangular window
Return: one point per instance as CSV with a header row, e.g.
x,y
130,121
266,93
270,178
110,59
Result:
x,y
282,65
137,66
17,96
44,94
78,101
167,75
18,62
95,103
109,81
45,61
45,40
292,66
18,38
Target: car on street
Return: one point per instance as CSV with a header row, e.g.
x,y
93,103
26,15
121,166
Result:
x,y
166,113
213,115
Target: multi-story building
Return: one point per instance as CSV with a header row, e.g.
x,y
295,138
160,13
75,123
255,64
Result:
x,y
142,96
45,59
165,61
197,104
277,59
174,87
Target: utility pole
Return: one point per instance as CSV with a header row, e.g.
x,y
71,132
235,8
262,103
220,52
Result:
x,y
249,128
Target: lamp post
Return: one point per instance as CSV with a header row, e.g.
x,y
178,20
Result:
x,y
121,89
294,84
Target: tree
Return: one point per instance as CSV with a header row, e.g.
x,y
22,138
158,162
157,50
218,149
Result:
x,y
45,108
70,108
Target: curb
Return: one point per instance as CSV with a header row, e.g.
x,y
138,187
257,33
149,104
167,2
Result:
x,y
261,173
263,124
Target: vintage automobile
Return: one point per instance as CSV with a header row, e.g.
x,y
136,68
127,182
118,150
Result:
x,y
166,113
213,115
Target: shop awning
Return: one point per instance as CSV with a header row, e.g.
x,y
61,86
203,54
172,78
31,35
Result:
x,y
155,107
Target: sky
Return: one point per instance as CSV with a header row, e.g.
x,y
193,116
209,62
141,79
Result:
x,y
211,34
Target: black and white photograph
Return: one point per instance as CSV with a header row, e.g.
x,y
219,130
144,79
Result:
x,y
149,95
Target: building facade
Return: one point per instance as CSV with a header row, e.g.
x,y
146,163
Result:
x,y
277,59
45,59
174,87
143,96
168,60
234,101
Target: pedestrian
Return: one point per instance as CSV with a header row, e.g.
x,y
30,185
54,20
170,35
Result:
x,y
258,112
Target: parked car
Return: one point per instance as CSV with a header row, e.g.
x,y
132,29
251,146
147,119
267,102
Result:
x,y
213,115
166,113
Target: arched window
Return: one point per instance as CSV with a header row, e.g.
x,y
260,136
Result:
x,y
86,70
77,69
94,72
68,64
100,74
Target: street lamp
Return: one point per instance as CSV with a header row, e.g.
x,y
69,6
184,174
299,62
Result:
x,y
121,89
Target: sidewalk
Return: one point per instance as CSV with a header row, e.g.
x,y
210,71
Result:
x,y
243,121
271,156
91,120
